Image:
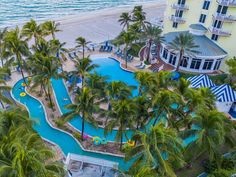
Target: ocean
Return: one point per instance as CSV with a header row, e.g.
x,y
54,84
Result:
x,y
13,12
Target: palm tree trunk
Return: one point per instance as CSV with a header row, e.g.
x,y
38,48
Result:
x,y
21,70
180,59
50,99
121,137
82,135
53,36
149,49
125,55
83,52
2,104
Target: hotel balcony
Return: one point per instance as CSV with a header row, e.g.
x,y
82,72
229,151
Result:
x,y
177,19
225,18
230,3
180,6
218,31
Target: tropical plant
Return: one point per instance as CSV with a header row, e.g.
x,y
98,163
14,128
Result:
x,y
51,27
2,46
125,19
139,17
145,79
153,35
126,39
159,148
209,133
81,42
17,47
121,116
83,68
83,108
184,44
3,89
231,63
32,30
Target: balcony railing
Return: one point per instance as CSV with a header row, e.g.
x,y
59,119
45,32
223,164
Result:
x,y
219,32
180,6
231,3
225,18
177,19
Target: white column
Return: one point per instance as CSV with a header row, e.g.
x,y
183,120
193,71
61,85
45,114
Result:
x,y
213,65
189,62
202,63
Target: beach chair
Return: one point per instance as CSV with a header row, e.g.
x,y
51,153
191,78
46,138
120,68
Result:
x,y
70,56
101,48
139,65
75,54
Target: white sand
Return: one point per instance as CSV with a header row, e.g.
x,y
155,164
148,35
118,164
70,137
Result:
x,y
102,25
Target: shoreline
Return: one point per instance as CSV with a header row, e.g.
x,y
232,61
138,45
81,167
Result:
x,y
100,25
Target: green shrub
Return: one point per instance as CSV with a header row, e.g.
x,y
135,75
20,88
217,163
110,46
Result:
x,y
77,135
221,173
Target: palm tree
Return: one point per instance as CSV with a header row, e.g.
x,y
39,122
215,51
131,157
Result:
x,y
210,134
22,151
4,88
83,108
81,42
51,27
162,102
159,148
184,44
153,35
139,17
32,30
83,68
126,38
121,116
17,47
97,84
125,19
145,79
142,112
2,36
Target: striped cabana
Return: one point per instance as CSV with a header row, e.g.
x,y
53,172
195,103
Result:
x,y
199,81
224,93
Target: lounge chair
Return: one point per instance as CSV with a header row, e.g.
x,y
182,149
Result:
x,y
110,49
141,64
101,48
75,54
70,56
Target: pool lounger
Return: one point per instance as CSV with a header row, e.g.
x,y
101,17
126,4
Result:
x,y
70,56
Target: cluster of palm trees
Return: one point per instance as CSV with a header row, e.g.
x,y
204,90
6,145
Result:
x,y
22,151
163,116
136,30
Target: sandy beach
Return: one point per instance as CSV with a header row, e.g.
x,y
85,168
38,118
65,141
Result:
x,y
101,25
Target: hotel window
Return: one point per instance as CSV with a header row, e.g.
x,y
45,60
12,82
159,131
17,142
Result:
x,y
217,24
217,64
222,9
165,53
175,25
202,18
214,37
181,2
179,13
206,5
184,62
172,59
207,65
195,63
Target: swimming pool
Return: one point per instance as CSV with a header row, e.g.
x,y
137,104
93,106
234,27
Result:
x,y
66,142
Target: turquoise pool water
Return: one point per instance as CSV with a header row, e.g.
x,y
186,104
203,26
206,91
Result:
x,y
65,141
19,11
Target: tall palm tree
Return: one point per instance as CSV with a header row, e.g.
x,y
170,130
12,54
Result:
x,y
184,44
142,112
139,17
97,83
125,19
17,47
162,102
45,68
32,30
160,148
145,79
153,35
83,68
83,108
126,39
81,42
3,89
2,47
121,116
210,134
51,27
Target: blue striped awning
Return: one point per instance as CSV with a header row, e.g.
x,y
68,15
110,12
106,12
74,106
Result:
x,y
200,81
224,93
